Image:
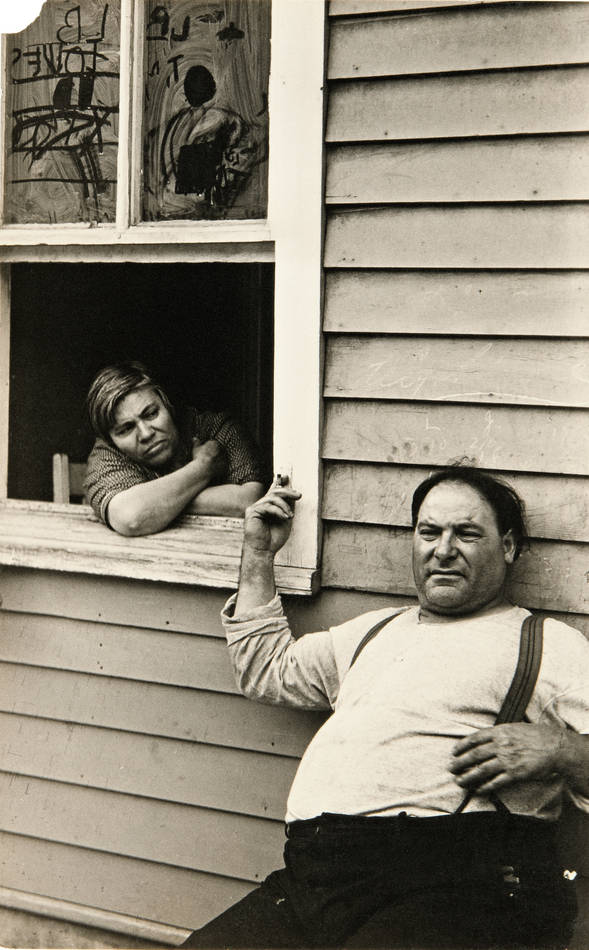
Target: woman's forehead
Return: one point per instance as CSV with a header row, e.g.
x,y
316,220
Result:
x,y
134,402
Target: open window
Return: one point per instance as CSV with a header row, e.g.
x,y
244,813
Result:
x,y
205,331
161,183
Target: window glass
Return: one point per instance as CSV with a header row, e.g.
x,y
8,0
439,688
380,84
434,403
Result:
x,y
61,115
205,148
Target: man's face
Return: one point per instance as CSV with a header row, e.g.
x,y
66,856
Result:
x,y
144,429
459,557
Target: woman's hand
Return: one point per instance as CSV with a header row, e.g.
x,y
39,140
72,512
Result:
x,y
213,458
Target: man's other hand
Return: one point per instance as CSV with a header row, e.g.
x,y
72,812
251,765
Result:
x,y
494,758
267,522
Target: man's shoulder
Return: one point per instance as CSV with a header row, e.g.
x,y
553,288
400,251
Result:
x,y
363,622
562,632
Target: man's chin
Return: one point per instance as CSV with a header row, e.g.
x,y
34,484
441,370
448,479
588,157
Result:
x,y
445,600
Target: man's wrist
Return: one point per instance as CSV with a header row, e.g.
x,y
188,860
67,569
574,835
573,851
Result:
x,y
569,756
255,561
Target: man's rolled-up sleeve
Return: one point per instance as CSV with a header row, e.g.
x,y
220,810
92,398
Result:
x,y
271,666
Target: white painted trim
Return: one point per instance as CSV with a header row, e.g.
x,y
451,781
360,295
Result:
x,y
295,218
175,233
125,96
4,374
136,143
92,917
152,253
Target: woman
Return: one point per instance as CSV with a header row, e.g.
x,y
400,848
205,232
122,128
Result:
x,y
148,464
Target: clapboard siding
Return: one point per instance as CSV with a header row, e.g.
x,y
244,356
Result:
x,y
486,236
447,41
249,783
534,168
372,557
124,885
493,103
112,650
115,600
24,590
557,507
350,7
499,437
525,372
180,835
467,303
151,709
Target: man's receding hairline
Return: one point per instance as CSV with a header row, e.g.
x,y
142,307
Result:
x,y
463,482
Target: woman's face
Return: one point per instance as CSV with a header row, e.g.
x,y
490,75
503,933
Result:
x,y
144,429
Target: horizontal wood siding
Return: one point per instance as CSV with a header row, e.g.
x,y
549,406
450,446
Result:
x,y
486,236
457,278
461,303
379,558
378,494
495,437
495,103
507,371
180,835
343,7
133,777
442,41
130,886
537,169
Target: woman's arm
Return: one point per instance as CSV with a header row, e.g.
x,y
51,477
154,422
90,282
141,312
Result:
x,y
151,506
228,500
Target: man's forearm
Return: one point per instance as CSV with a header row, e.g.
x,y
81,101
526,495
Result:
x,y
256,579
573,761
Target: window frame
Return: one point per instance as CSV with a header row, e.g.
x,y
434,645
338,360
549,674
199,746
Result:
x,y
46,536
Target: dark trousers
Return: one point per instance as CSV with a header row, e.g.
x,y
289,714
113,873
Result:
x,y
469,881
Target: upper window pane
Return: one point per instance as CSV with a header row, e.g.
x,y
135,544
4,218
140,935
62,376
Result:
x,y
206,110
61,115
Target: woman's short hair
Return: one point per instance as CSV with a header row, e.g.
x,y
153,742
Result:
x,y
508,507
111,385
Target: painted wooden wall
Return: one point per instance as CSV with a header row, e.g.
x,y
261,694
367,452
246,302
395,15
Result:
x,y
456,282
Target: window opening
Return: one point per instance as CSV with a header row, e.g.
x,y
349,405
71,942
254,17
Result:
x,y
205,331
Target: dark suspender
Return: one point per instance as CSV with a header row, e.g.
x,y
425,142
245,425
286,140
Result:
x,y
522,686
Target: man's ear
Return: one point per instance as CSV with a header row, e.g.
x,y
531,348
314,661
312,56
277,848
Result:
x,y
509,547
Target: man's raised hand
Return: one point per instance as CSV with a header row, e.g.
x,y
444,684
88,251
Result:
x,y
267,522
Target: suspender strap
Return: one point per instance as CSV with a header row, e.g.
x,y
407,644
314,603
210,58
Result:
x,y
521,689
526,673
370,636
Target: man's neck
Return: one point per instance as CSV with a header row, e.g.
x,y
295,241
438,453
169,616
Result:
x,y
428,615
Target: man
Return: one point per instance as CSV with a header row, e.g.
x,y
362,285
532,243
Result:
x,y
383,849
149,463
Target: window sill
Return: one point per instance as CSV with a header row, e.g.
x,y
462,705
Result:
x,y
200,550
148,232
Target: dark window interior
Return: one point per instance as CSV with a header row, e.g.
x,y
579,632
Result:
x,y
205,331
